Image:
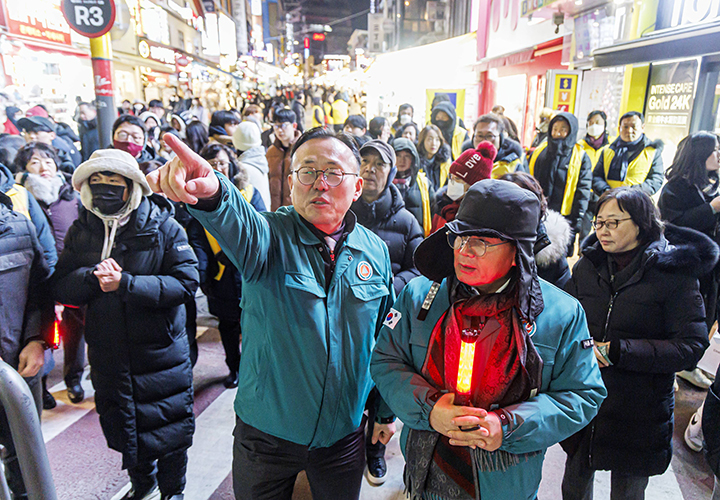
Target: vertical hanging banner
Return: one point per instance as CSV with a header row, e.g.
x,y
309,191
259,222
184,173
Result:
x,y
457,98
565,92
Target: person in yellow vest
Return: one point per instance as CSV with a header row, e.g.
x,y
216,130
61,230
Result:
x,y
510,157
327,107
594,143
631,160
444,117
24,203
564,171
435,155
415,187
318,113
340,110
219,278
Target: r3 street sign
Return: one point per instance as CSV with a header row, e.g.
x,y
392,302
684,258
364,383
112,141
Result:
x,y
90,18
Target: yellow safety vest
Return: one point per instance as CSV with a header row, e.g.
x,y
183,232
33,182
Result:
x,y
424,186
340,111
637,171
457,142
328,112
19,197
247,193
594,154
572,176
502,167
316,123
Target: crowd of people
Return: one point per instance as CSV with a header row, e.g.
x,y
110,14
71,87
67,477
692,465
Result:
x,y
371,271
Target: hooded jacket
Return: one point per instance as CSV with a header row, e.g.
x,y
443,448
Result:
x,y
551,249
25,203
652,314
645,167
510,158
137,344
571,388
453,133
256,165
418,193
64,144
564,172
397,227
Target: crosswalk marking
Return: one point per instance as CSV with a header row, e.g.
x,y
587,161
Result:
x,y
65,414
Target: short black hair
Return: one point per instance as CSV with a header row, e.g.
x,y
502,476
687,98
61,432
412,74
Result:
x,y
602,115
283,115
323,133
641,209
90,105
167,129
132,120
376,126
25,153
156,103
630,114
404,107
221,118
491,118
212,149
402,129
356,121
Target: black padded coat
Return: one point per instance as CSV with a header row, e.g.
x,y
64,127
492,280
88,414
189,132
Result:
x,y
137,344
652,314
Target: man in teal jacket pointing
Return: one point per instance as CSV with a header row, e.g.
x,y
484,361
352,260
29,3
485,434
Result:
x,y
316,289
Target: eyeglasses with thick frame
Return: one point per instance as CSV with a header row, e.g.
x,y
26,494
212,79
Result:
x,y
476,245
610,223
486,137
333,177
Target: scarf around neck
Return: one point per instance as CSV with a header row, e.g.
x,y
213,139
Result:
x,y
506,370
626,152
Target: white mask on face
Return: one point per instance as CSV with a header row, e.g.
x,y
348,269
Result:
x,y
405,119
595,130
455,189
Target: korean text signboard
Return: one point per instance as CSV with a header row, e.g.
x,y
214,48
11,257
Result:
x,y
669,101
39,19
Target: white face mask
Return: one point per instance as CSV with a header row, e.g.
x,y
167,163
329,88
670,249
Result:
x,y
455,189
405,119
595,130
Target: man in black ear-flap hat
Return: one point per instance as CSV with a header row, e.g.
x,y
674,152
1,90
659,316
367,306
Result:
x,y
486,364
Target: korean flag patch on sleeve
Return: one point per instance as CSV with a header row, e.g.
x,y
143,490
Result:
x,y
392,318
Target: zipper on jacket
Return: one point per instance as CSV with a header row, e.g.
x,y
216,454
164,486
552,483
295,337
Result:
x,y
610,308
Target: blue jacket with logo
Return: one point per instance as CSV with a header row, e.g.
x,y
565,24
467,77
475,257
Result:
x,y
305,369
570,394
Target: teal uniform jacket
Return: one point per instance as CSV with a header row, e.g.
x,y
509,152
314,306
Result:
x,y
305,369
571,392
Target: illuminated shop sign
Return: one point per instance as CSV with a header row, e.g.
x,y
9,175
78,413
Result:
x,y
684,12
159,53
40,19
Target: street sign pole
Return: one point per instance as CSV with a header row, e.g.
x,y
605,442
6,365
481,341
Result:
x,y
94,19
101,53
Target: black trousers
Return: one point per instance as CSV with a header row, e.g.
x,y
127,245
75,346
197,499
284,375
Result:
x,y
376,450
230,336
12,466
73,330
169,472
265,467
191,328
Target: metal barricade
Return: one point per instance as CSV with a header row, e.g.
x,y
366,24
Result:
x,y
19,406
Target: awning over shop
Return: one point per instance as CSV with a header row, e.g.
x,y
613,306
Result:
x,y
666,44
37,44
521,56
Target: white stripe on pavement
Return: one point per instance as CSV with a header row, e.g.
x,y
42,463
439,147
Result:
x,y
57,420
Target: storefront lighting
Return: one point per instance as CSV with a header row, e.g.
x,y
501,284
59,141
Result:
x,y
327,28
407,4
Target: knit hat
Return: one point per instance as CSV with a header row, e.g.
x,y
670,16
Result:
x,y
111,160
246,136
149,114
475,164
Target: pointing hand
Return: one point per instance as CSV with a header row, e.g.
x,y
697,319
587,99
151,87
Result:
x,y
187,177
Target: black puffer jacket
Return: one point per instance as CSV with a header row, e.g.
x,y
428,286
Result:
x,y
388,218
410,190
137,345
432,166
653,316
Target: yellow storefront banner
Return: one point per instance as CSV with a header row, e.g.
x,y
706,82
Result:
x,y
565,92
457,98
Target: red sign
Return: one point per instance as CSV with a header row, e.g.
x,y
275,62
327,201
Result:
x,y
306,43
39,19
318,37
103,71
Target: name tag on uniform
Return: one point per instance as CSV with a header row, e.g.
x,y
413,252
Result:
x,y
587,343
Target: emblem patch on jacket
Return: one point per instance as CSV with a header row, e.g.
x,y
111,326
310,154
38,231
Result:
x,y
364,271
530,328
392,318
587,343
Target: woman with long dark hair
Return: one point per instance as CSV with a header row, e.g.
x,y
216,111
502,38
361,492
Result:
x,y
637,282
434,155
196,135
